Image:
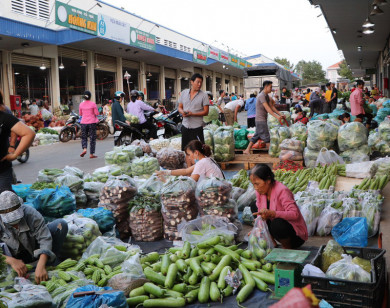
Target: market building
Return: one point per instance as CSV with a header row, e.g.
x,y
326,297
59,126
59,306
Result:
x,y
361,30
53,50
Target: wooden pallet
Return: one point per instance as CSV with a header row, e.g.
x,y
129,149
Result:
x,y
249,161
252,151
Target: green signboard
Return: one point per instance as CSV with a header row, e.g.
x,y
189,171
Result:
x,y
142,39
242,63
75,18
234,60
199,56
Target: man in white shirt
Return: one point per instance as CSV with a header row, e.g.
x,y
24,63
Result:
x,y
33,108
231,109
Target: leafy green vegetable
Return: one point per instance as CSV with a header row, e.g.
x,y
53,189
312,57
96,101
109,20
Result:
x,y
46,130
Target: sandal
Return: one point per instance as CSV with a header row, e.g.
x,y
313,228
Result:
x,y
92,156
83,153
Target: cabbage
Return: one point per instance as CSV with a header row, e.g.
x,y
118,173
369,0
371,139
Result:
x,y
277,134
224,143
356,155
321,134
351,136
208,138
212,116
298,131
310,157
273,122
384,130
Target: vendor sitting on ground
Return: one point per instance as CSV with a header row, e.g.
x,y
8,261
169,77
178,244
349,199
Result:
x,y
203,165
25,237
345,118
277,207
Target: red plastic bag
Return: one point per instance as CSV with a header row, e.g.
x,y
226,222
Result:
x,y
260,144
298,298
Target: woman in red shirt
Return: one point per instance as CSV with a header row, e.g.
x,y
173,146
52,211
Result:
x,y
89,112
277,207
302,117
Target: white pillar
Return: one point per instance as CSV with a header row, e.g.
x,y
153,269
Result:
x,y
178,84
231,84
142,79
223,85
91,74
214,84
6,66
162,82
119,74
204,80
55,82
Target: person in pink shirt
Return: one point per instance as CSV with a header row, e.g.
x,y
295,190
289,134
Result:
x,y
89,112
357,103
277,207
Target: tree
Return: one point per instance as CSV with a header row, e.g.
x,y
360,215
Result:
x,y
286,63
310,72
345,71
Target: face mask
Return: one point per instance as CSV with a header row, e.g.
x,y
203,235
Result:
x,y
196,160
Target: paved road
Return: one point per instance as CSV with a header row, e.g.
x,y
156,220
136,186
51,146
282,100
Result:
x,y
59,155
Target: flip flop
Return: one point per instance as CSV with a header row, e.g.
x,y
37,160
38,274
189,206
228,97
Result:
x,y
83,153
93,156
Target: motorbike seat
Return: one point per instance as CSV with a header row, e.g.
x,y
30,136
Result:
x,y
123,124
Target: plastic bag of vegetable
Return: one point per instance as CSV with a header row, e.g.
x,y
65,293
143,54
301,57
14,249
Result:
x,y
273,122
247,217
74,171
49,175
62,294
224,144
208,138
328,157
72,181
351,231
274,150
22,190
152,186
171,159
28,295
92,189
356,155
247,199
321,133
292,145
132,150
206,227
384,130
351,136
146,222
102,174
237,192
81,233
144,166
241,179
260,240
311,213
115,196
109,157
228,210
331,254
327,220
144,146
178,204
55,202
114,299
212,115
103,217
81,199
299,131
175,143
213,192
347,270
290,155
158,144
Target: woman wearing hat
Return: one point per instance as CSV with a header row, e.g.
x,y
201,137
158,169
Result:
x,y
25,237
89,113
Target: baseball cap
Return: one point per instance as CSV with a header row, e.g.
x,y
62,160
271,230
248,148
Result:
x,y
297,106
10,207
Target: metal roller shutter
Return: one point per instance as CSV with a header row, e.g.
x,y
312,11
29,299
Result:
x,y
29,60
106,63
70,53
130,64
170,73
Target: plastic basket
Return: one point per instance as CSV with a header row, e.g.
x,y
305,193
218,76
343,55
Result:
x,y
345,293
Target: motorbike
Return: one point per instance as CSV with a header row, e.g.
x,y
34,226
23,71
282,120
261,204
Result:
x,y
72,128
169,125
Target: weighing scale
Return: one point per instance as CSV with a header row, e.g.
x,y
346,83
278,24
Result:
x,y
288,270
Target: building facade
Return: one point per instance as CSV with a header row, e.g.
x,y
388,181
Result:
x,y
53,50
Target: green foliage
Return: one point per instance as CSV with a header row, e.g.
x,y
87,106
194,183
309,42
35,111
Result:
x,y
345,71
285,62
311,72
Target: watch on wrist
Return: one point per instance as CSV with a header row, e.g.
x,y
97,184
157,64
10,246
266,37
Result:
x,y
12,146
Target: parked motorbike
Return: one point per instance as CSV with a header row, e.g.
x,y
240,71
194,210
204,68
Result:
x,y
169,125
72,128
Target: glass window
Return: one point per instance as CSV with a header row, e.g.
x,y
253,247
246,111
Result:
x,y
152,86
169,87
72,80
133,81
104,85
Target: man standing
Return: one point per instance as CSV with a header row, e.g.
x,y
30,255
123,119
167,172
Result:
x,y
264,105
221,106
315,102
231,110
357,103
295,97
333,102
283,96
33,108
328,99
193,106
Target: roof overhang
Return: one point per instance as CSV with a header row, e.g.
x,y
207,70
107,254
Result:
x,y
346,18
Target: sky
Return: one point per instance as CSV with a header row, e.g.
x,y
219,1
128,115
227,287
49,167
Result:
x,y
275,28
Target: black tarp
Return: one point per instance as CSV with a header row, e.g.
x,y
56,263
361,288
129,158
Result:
x,y
265,69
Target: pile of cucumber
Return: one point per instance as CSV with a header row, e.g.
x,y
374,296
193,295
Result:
x,y
186,274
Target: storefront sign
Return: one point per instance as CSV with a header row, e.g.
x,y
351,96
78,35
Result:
x,y
75,18
213,53
242,63
248,64
223,57
199,56
113,29
233,60
142,39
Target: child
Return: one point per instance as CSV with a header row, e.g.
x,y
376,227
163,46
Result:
x,y
302,117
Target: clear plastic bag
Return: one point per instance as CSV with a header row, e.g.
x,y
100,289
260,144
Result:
x,y
331,254
49,175
311,213
384,129
158,144
361,170
351,136
208,138
310,157
152,186
328,157
92,189
213,192
299,131
81,199
290,155
74,171
327,220
144,166
132,150
144,146
347,270
228,210
102,174
28,295
171,159
247,216
125,282
237,192
103,217
176,143
55,202
224,143
81,233
247,199
356,155
209,226
321,134
74,182
260,240
291,145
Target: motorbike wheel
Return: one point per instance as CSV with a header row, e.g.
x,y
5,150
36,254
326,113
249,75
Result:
x,y
124,140
102,131
24,157
66,135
